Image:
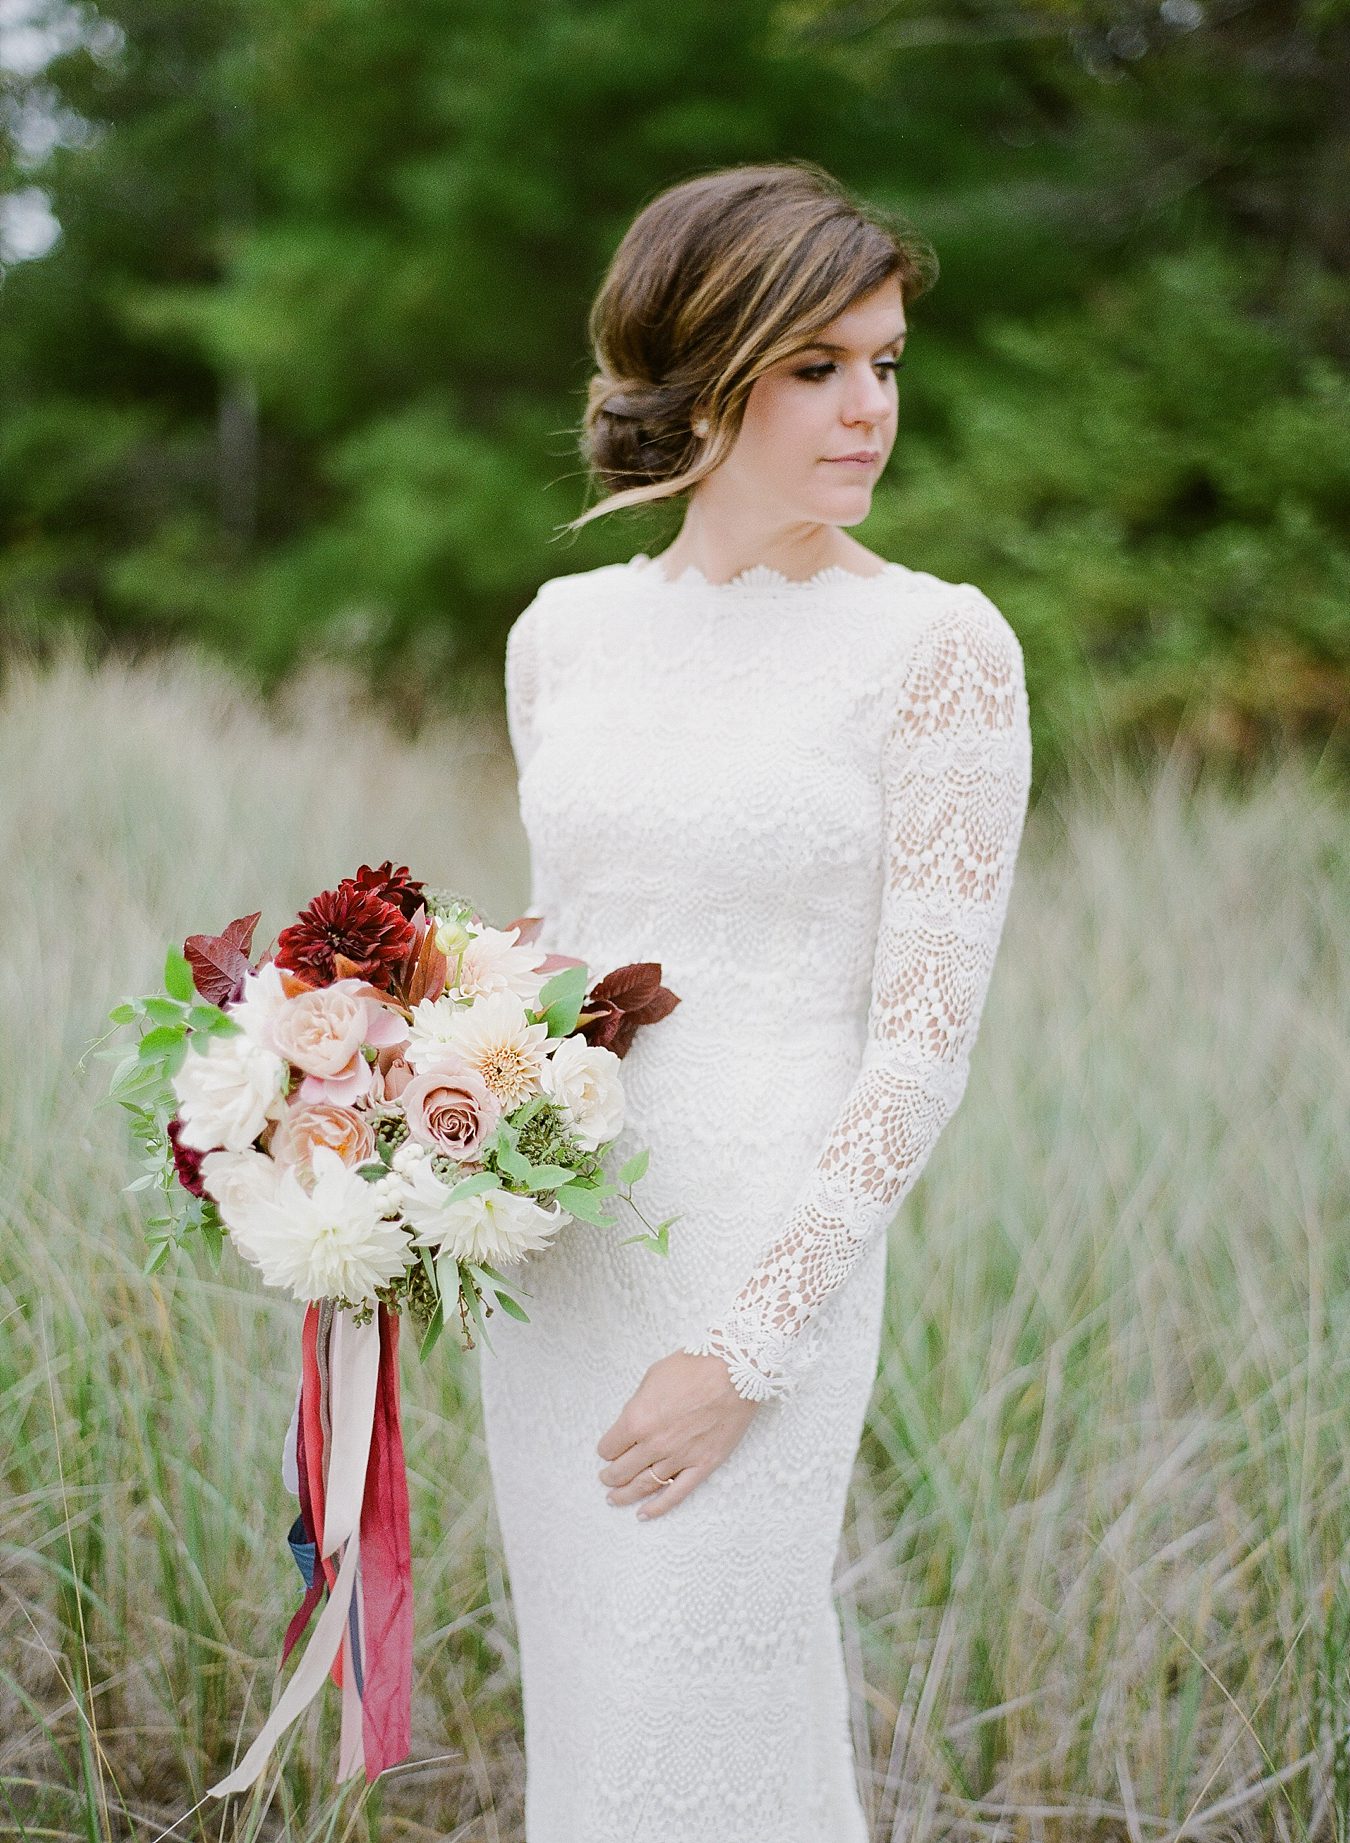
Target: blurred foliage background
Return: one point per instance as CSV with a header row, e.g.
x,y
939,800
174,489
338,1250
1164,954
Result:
x,y
293,299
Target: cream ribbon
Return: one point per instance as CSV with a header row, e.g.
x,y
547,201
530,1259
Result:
x,y
354,1362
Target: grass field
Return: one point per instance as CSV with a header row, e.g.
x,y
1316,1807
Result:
x,y
1094,1581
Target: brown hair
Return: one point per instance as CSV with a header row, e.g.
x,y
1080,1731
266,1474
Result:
x,y
716,279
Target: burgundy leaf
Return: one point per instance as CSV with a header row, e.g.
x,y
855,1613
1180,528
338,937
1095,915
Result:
x,y
220,962
616,1005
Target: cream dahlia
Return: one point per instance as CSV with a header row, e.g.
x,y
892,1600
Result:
x,y
493,1036
495,961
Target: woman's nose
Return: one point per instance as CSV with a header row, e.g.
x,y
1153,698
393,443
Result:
x,y
869,402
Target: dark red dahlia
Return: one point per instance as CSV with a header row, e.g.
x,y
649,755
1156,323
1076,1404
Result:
x,y
187,1161
370,936
395,886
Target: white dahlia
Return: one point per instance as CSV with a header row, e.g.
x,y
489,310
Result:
x,y
331,1242
491,1225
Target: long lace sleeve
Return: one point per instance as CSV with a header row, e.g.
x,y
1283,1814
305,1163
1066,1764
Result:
x,y
956,778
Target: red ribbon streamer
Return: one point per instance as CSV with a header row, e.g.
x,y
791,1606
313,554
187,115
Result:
x,y
385,1577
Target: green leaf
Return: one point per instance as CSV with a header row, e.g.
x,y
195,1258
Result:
x,y
178,976
164,1011
577,1200
658,1243
528,1109
635,1167
560,998
432,1335
508,1304
157,1257
548,1177
204,1017
159,1042
124,1013
143,1084
214,1239
492,1273
514,1163
471,1185
221,1025
125,1067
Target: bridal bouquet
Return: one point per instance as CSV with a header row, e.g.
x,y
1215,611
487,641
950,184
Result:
x,y
395,1103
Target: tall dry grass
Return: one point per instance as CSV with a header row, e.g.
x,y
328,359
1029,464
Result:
x,y
1093,1580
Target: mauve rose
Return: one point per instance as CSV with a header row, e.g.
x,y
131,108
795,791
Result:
x,y
314,1123
449,1107
396,1078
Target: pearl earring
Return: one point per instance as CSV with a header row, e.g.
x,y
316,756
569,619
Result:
x,y
701,427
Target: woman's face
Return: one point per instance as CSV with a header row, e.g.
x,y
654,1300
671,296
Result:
x,y
813,407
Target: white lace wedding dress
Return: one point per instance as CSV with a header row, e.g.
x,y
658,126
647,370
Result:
x,y
805,800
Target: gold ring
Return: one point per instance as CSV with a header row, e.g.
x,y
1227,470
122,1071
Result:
x,y
657,1476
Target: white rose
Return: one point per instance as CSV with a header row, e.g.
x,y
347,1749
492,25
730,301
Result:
x,y
260,1004
227,1092
583,1078
240,1184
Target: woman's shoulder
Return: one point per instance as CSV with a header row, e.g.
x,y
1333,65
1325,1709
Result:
x,y
557,595
965,611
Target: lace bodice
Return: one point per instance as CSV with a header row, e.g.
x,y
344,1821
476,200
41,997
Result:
x,y
856,755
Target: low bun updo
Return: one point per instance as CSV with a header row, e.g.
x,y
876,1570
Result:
x,y
716,279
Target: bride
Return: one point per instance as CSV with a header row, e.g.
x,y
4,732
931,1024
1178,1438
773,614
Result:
x,y
795,774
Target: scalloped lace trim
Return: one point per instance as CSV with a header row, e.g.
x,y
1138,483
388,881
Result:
x,y
760,576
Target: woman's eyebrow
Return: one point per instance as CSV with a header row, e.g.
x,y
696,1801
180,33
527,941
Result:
x,y
824,345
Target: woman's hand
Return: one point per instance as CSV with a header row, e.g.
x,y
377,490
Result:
x,y
684,1418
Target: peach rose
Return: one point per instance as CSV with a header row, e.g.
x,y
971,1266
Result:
x,y
449,1107
314,1123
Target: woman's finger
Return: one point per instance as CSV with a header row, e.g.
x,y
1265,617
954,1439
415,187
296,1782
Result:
x,y
626,1466
675,1492
634,1481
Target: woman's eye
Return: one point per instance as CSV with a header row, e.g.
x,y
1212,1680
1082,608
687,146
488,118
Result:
x,y
814,373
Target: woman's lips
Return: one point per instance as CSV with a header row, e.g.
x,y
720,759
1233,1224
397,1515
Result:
x,y
847,460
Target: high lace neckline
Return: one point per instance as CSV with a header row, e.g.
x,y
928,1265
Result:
x,y
759,576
